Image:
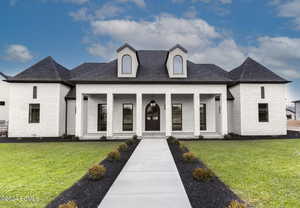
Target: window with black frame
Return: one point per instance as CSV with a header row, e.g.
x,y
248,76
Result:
x,y
34,113
203,126
102,117
127,117
176,117
263,112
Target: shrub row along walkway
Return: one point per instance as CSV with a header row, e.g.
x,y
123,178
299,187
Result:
x,y
149,179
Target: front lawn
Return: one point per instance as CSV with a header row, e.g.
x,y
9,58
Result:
x,y
265,173
32,174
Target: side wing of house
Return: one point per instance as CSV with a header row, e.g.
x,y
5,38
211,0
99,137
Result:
x,y
4,98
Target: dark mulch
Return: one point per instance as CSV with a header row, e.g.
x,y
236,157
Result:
x,y
210,194
88,193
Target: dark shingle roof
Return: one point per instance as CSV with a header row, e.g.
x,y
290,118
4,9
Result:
x,y
126,45
45,70
4,75
152,68
180,47
85,68
291,109
251,71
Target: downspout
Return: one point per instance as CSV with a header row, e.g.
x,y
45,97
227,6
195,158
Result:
x,y
66,117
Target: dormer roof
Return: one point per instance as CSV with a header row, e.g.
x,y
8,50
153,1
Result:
x,y
178,46
126,45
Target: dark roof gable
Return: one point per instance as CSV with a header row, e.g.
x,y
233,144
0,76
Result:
x,y
252,72
178,46
45,70
126,45
4,75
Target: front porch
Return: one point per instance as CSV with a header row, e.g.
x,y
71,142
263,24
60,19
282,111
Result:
x,y
149,115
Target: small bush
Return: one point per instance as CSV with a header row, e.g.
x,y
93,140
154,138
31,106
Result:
x,y
236,204
189,157
114,155
171,138
227,136
96,172
130,142
70,204
200,137
182,147
202,174
135,137
103,138
123,147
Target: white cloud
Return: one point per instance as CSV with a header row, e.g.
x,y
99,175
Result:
x,y
226,1
163,32
13,2
76,1
105,11
17,53
281,54
289,9
140,3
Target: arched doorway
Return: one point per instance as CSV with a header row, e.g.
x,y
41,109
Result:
x,y
152,117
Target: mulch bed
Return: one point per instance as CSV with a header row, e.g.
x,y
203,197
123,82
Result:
x,y
87,193
209,194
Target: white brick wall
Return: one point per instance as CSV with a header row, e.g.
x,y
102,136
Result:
x,y
50,96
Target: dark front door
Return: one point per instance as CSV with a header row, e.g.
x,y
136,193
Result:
x,y
152,116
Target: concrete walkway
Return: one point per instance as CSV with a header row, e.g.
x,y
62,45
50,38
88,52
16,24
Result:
x,y
149,179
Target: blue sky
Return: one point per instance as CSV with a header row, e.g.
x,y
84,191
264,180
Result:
x,y
223,32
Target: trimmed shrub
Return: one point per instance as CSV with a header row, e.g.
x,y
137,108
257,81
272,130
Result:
x,y
182,147
200,137
171,139
236,204
227,136
202,174
123,147
114,155
189,157
135,137
103,138
69,204
130,142
96,172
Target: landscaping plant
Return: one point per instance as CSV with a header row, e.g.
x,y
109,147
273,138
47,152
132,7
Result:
x,y
189,157
202,174
114,155
123,147
236,204
69,204
96,172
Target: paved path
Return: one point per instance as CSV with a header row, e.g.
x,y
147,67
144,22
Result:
x,y
149,180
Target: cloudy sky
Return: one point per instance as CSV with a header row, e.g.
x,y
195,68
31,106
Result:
x,y
223,32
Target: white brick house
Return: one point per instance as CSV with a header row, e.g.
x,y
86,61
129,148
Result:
x,y
146,92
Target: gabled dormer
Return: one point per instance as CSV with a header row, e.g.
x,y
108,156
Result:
x,y
127,61
177,62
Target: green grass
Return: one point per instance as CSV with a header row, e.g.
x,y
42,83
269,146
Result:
x,y
32,174
264,173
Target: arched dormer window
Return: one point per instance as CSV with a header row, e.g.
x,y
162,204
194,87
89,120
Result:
x,y
126,64
177,65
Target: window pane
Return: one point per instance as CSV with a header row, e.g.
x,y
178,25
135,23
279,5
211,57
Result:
x,y
34,92
126,64
262,92
176,117
102,117
34,113
127,117
178,65
203,126
2,103
263,112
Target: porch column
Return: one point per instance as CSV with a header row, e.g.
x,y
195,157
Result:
x,y
196,114
139,122
79,115
168,114
224,121
110,110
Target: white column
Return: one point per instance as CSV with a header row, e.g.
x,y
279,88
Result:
x,y
110,110
168,114
224,121
139,122
196,114
79,115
